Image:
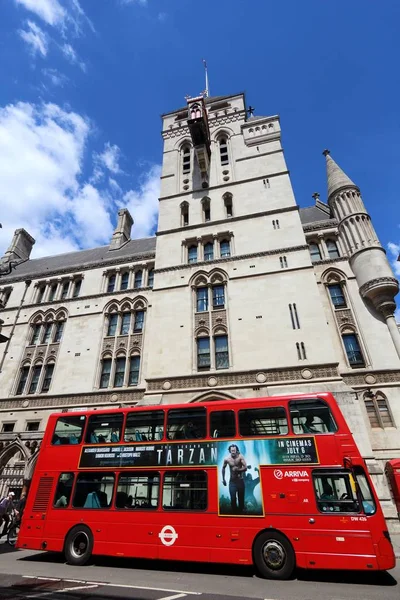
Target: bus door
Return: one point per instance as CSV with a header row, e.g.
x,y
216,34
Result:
x,y
134,521
339,528
184,530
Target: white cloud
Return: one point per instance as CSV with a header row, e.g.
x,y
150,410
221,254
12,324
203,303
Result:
x,y
56,78
36,38
143,203
394,253
141,2
71,55
50,11
42,150
110,157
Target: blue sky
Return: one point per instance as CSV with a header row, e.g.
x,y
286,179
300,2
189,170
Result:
x,y
83,84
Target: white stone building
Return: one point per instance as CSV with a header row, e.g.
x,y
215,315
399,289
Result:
x,y
239,294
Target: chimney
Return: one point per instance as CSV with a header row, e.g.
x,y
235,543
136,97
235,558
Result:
x,y
20,247
122,233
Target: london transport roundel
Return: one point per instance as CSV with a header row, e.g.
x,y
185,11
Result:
x,y
168,535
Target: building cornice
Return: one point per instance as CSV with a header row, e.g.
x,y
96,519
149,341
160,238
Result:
x,y
327,224
330,261
85,267
265,213
49,401
260,377
223,185
366,378
259,154
218,261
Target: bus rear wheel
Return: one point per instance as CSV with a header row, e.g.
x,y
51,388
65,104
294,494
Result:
x,y
78,545
274,556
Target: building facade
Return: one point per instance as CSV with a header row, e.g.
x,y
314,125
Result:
x,y
240,293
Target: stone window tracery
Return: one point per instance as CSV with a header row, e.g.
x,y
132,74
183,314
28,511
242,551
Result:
x,y
210,321
122,343
378,410
38,362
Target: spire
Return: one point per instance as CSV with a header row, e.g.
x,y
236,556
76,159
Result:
x,y
337,179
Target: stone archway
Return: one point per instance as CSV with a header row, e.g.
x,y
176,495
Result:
x,y
13,460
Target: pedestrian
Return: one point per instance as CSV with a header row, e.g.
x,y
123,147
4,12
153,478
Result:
x,y
6,509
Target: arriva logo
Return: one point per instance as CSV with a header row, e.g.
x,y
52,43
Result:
x,y
280,474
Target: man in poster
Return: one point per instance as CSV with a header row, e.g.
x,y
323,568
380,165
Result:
x,y
237,466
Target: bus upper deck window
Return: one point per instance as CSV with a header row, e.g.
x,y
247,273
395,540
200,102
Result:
x,y
104,429
144,426
222,424
311,416
186,424
263,421
69,430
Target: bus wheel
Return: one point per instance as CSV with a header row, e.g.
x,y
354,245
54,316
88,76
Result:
x,y
274,556
78,545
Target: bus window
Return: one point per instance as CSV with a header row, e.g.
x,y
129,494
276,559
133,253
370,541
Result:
x,y
186,424
63,491
144,426
311,416
263,421
185,490
335,493
69,430
138,490
93,490
367,497
222,424
104,429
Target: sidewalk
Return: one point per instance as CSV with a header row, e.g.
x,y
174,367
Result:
x,y
395,537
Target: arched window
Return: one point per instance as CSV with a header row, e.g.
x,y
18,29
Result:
x,y
120,364
105,372
223,151
48,375
23,377
314,252
378,410
186,160
192,254
124,280
138,279
111,283
206,204
228,201
150,278
134,368
225,248
332,248
37,369
209,251
184,214
353,350
112,324
337,295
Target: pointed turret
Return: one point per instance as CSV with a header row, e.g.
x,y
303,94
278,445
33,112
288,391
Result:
x,y
337,179
367,258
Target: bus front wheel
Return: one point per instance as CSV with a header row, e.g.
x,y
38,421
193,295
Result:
x,y
274,556
78,545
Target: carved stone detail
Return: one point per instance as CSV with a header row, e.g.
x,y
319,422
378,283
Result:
x,y
344,317
379,281
244,378
219,318
108,345
135,341
380,377
201,320
122,342
75,400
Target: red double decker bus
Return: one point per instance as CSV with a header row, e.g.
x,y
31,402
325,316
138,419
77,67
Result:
x,y
278,482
